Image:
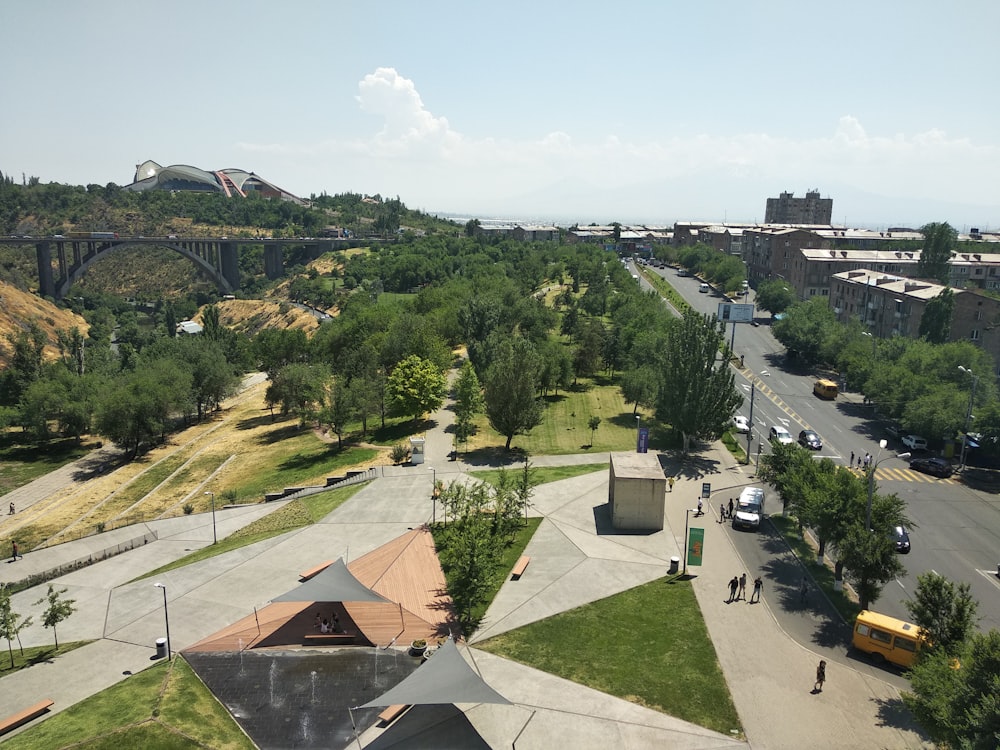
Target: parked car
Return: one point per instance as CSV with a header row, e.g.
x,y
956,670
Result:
x,y
742,423
902,540
915,442
893,429
810,439
703,288
938,467
781,435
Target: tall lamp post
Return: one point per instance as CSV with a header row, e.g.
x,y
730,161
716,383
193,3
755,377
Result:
x,y
871,480
215,538
166,617
968,413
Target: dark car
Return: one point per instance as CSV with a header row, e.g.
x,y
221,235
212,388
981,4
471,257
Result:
x,y
937,467
902,540
810,439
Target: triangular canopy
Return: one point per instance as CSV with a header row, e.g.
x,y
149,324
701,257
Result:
x,y
333,584
444,678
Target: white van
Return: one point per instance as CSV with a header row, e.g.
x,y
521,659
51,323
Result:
x,y
749,509
704,288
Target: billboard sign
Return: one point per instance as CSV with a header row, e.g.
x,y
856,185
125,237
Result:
x,y
731,312
696,546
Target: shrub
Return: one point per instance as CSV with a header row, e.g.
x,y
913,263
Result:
x,y
188,509
399,453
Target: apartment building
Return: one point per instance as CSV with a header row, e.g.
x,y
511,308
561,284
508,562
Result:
x,y
787,209
775,252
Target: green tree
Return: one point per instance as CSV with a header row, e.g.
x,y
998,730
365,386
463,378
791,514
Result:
x,y
297,388
871,561
775,295
592,424
806,327
945,611
697,396
510,387
58,609
337,409
638,387
11,623
415,387
955,697
935,258
935,323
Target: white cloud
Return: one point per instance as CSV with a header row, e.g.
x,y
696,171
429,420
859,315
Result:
x,y
921,165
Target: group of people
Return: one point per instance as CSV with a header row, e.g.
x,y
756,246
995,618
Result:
x,y
863,461
726,512
738,589
323,625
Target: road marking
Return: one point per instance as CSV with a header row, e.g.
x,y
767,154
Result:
x,y
990,575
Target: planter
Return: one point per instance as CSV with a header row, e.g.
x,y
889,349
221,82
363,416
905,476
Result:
x,y
418,648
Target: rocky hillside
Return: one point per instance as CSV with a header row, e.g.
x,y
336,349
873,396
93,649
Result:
x,y
18,309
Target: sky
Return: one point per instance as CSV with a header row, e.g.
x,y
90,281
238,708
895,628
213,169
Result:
x,y
584,112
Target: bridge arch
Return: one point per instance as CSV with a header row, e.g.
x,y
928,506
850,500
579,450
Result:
x,y
217,259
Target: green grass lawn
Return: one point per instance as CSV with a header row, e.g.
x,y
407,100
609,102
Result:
x,y
543,474
23,463
647,645
156,709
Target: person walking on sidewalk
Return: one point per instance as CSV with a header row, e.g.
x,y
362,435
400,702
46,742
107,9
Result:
x,y
803,591
743,587
13,551
730,507
733,583
850,464
757,584
670,481
699,512
820,676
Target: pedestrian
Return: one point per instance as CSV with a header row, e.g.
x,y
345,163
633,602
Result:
x,y
13,552
859,463
670,481
699,512
741,359
730,507
11,509
820,676
757,584
851,463
722,513
803,591
743,587
733,584
336,623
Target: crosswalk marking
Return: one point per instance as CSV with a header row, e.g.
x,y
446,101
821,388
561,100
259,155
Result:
x,y
904,475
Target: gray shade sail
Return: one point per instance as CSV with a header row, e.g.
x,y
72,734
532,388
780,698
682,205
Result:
x,y
444,678
333,584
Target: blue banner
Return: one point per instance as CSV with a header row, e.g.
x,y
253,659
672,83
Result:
x,y
642,444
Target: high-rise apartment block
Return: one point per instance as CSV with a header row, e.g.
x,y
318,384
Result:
x,y
788,209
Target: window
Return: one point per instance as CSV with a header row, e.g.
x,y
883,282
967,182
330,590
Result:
x,y
881,636
826,292
974,334
979,314
905,644
863,629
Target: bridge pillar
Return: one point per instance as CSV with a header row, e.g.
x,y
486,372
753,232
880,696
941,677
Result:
x,y
46,282
229,264
273,266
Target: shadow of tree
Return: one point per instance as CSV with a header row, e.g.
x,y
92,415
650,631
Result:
x,y
892,712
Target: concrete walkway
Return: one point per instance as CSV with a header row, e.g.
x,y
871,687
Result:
x,y
576,559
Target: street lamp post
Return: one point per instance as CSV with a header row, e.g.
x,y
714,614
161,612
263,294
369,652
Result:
x,y
871,480
166,617
968,414
215,537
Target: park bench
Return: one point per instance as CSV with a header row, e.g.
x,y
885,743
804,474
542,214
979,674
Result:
x,y
519,567
392,713
23,717
312,639
315,571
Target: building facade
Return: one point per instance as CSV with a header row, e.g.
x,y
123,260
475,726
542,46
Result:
x,y
787,209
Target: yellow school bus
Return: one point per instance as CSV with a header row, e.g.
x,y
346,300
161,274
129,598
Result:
x,y
887,638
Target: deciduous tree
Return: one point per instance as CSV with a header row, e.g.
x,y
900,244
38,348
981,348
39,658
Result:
x,y
415,387
57,610
511,384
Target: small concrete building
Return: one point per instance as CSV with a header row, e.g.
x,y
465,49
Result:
x,y
637,492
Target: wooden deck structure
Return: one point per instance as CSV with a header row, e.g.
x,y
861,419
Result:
x,y
406,571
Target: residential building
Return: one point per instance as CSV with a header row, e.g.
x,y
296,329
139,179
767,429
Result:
x,y
787,209
774,252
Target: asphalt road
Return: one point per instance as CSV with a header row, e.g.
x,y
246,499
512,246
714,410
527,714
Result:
x,y
956,530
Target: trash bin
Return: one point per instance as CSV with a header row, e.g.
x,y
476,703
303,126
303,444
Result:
x,y
675,564
161,648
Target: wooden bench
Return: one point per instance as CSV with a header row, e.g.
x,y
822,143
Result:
x,y
392,713
23,717
314,638
315,571
519,567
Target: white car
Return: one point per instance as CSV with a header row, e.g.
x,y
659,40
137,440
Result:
x,y
741,423
915,442
781,435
